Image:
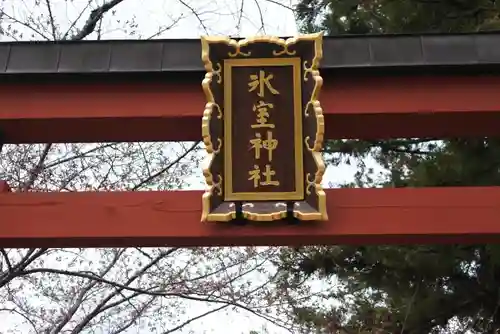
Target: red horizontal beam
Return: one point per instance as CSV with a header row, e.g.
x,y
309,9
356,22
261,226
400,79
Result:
x,y
355,107
357,216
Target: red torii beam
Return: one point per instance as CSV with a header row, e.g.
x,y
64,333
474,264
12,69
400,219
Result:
x,y
172,218
357,107
369,106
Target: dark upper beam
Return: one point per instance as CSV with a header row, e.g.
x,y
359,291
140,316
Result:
x,y
376,51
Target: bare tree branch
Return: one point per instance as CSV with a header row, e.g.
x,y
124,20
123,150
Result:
x,y
6,257
196,14
281,5
51,18
94,18
37,169
240,16
187,322
125,299
24,24
152,291
261,15
33,325
73,24
32,255
77,156
164,170
161,30
72,310
120,287
133,317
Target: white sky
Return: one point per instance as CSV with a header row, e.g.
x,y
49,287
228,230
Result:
x,y
220,17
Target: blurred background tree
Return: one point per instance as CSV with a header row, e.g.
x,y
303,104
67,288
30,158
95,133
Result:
x,y
404,289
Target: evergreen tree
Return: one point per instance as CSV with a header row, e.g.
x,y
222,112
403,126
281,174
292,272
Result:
x,y
405,289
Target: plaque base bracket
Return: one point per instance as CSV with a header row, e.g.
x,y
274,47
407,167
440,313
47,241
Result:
x,y
292,211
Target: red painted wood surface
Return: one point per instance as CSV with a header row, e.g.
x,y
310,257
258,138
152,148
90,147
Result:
x,y
4,188
356,107
173,219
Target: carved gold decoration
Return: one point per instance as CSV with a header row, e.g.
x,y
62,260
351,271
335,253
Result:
x,y
318,141
307,70
219,110
219,146
211,106
264,217
284,51
306,142
218,185
238,52
217,70
310,183
285,44
205,127
320,127
205,131
306,108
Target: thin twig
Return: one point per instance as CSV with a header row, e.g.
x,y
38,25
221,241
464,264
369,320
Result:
x,y
280,4
166,28
240,17
196,14
52,22
65,36
134,317
187,322
408,309
159,173
29,26
77,156
6,257
261,15
22,315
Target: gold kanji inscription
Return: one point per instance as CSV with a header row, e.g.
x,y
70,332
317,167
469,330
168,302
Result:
x,y
261,81
262,110
269,144
255,176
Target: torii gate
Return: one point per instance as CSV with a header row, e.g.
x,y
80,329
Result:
x,y
374,87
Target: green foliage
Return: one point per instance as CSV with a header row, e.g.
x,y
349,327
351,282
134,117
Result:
x,y
404,289
397,16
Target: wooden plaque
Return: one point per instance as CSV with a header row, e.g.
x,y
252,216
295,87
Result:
x,y
263,129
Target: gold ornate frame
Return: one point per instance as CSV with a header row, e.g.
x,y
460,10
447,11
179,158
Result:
x,y
311,108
